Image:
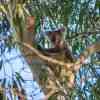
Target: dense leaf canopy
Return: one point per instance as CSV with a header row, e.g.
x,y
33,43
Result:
x,y
81,19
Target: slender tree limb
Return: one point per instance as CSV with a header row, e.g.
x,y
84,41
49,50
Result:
x,y
83,34
91,49
69,66
46,58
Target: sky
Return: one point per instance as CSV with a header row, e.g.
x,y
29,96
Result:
x,y
14,62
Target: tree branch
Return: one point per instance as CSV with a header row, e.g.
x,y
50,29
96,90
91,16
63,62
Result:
x,y
69,66
46,58
83,34
91,49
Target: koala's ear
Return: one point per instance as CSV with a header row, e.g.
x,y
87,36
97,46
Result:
x,y
62,29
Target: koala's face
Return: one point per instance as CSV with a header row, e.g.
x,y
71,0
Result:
x,y
56,38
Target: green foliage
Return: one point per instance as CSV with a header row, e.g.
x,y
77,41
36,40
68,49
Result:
x,y
98,4
96,90
80,19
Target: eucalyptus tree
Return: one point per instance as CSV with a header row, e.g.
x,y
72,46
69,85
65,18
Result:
x,y
81,19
